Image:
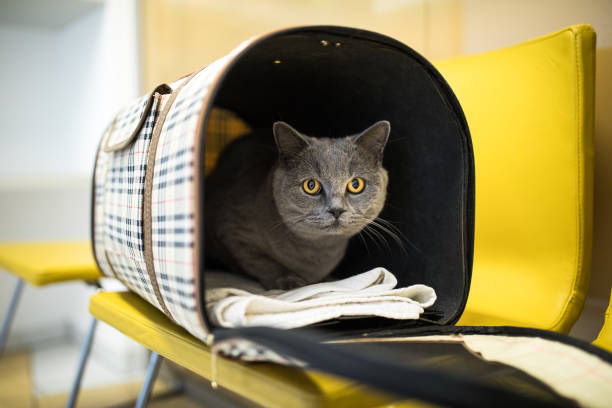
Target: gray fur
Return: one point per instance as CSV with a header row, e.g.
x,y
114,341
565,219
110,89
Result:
x,y
261,222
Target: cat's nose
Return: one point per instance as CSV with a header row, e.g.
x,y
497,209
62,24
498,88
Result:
x,y
336,212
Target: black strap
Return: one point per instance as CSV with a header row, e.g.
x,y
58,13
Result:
x,y
354,363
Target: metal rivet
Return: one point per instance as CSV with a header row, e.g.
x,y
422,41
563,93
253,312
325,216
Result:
x,y
337,44
324,43
277,62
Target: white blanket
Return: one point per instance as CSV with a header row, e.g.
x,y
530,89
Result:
x,y
233,301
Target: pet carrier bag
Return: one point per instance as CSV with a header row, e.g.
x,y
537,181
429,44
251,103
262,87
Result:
x,y
148,207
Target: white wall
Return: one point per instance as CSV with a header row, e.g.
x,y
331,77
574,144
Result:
x,y
98,63
61,87
492,24
28,116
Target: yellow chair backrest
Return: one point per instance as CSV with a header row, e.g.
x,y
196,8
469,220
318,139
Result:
x,y
530,112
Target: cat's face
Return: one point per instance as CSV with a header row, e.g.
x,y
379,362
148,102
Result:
x,y
329,187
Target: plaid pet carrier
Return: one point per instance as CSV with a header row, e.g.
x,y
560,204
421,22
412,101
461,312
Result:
x,y
149,184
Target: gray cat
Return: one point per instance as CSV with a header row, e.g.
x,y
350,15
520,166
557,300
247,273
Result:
x,y
284,214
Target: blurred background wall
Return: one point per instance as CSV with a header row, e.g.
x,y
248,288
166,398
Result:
x,y
68,65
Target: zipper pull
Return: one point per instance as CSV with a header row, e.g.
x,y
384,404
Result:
x,y
213,369
214,353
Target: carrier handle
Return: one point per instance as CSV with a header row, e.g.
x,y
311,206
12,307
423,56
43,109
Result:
x,y
162,89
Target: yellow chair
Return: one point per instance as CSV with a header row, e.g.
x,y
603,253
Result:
x,y
530,110
604,339
42,264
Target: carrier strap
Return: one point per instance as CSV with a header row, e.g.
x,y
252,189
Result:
x,y
147,219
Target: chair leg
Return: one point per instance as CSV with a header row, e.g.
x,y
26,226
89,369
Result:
x,y
85,349
147,386
10,314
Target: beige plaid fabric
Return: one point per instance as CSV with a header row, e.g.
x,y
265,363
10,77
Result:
x,y
119,189
572,372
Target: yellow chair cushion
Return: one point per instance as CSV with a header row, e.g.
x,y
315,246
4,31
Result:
x,y
604,339
49,262
266,384
530,112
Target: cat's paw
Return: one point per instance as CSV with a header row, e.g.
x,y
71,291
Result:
x,y
289,282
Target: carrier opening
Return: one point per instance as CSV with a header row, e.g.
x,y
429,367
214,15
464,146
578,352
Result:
x,y
333,82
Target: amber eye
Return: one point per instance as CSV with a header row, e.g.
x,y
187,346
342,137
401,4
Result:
x,y
311,186
356,185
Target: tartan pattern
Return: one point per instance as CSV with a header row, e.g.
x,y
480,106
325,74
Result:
x,y
122,209
172,203
102,162
126,120
119,188
247,350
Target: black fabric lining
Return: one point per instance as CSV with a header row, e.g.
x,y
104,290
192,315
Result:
x,y
335,91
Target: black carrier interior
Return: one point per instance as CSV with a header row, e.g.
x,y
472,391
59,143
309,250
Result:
x,y
334,81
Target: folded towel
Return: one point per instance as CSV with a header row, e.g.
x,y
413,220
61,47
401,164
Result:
x,y
233,301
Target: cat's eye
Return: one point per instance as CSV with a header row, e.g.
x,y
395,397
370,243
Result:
x,y
356,185
311,186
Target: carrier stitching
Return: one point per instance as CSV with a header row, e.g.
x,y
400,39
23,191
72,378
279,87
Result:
x,y
147,199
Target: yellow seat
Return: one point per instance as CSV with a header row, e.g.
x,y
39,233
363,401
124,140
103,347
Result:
x,y
266,384
44,263
49,262
604,339
530,112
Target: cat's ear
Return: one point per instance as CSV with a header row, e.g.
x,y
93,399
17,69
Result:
x,y
374,138
288,140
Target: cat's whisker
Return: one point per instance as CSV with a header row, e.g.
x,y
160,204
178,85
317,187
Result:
x,y
384,239
371,236
392,222
393,235
368,231
389,229
399,232
388,223
380,236
365,244
390,226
